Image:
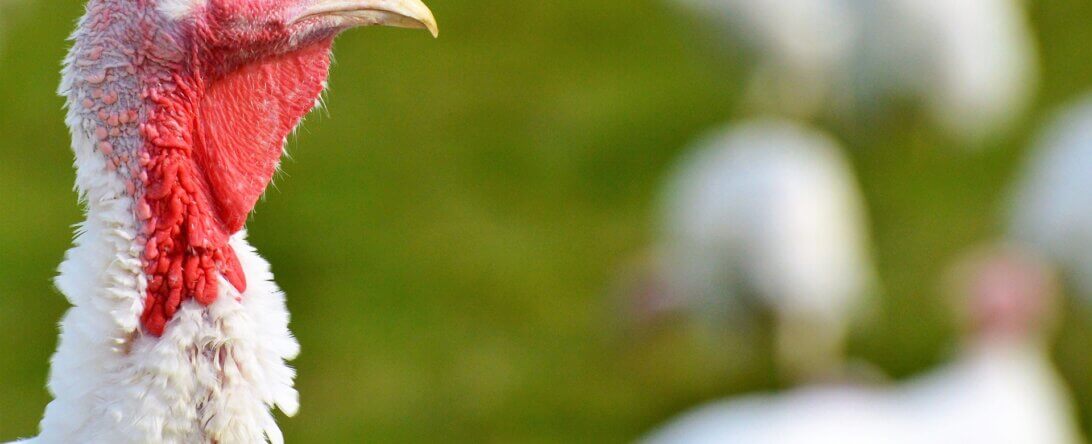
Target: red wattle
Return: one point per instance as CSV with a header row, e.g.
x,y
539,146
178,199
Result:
x,y
212,146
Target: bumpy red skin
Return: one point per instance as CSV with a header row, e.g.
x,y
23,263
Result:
x,y
213,134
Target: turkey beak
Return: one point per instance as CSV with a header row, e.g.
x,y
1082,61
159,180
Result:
x,y
398,13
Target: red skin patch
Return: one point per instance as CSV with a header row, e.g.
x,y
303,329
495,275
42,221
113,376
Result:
x,y
213,143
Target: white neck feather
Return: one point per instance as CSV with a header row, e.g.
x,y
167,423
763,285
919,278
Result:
x,y
212,377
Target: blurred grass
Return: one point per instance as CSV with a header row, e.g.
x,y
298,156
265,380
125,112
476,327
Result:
x,y
446,228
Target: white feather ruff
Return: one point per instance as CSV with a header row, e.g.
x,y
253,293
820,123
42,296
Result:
x,y
212,377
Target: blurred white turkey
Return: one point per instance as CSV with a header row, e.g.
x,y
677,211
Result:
x,y
766,215
798,46
970,64
1001,388
1051,207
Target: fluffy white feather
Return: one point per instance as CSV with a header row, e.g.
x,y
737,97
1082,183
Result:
x,y
177,9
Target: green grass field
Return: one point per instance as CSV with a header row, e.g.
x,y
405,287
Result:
x,y
447,227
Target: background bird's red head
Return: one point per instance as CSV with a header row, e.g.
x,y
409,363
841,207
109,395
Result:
x,y
1007,293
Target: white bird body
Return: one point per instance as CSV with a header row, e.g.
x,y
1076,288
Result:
x,y
1051,208
994,393
972,64
1001,388
799,46
998,393
807,415
767,213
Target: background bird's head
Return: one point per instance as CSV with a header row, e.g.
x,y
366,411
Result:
x,y
1008,293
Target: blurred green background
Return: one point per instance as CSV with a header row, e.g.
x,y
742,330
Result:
x,y
448,227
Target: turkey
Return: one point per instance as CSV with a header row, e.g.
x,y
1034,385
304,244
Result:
x,y
798,46
1050,208
969,64
1001,388
764,218
178,111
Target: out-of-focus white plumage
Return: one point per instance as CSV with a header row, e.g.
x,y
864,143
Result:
x,y
1001,388
972,64
807,415
768,212
799,46
992,394
1051,206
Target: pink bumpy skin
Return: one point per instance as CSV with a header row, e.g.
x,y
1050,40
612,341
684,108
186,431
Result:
x,y
190,101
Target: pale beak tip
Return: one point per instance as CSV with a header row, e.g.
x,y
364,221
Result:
x,y
429,23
